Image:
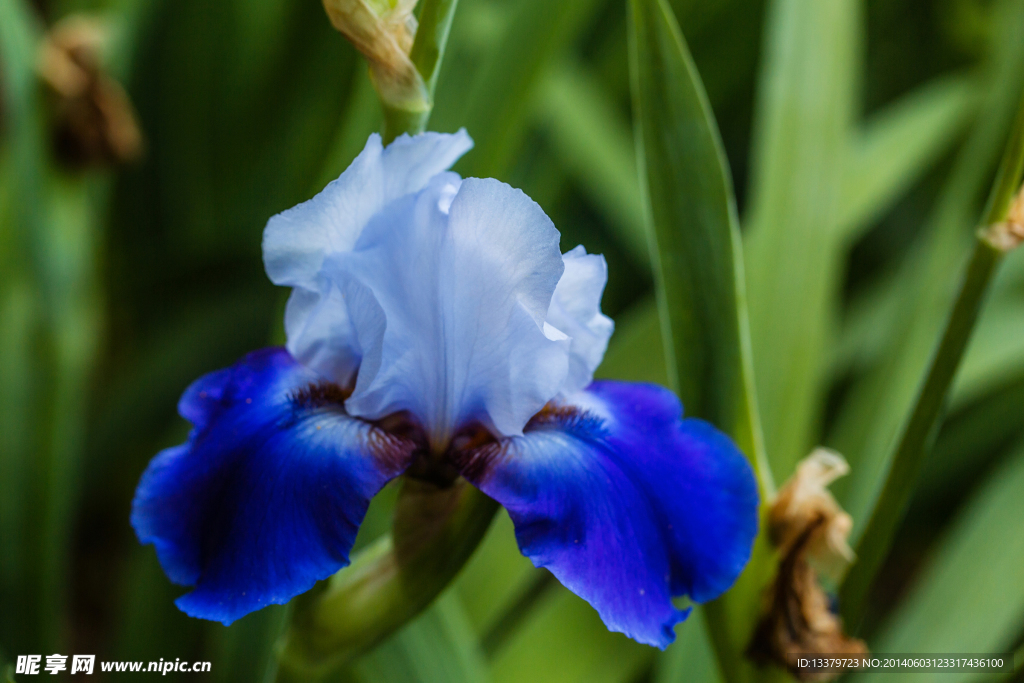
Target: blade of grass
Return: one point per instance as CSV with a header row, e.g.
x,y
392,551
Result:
x,y
636,352
436,647
969,441
970,594
698,265
802,126
593,141
897,144
564,641
693,233
869,420
494,113
995,353
30,622
919,429
691,657
244,651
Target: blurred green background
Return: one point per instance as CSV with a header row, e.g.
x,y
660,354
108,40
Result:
x,y
862,138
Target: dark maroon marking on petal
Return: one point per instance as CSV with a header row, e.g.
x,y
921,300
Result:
x,y
476,459
390,450
570,418
319,395
390,440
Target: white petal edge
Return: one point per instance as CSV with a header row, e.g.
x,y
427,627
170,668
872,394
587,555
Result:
x,y
297,241
576,312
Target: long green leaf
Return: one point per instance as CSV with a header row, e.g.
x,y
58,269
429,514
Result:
x,y
436,647
970,595
244,651
918,429
698,266
995,353
494,113
694,232
897,145
870,418
691,658
564,641
802,125
594,142
636,352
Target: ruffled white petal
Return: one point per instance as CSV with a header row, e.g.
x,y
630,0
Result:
x,y
463,294
296,242
576,311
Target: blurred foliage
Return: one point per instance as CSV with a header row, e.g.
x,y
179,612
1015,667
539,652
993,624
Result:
x,y
861,135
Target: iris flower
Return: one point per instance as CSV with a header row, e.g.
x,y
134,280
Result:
x,y
434,327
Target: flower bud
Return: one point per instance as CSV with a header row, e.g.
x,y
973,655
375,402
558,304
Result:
x,y
383,30
1009,234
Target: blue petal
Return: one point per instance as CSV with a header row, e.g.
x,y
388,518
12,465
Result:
x,y
626,503
266,496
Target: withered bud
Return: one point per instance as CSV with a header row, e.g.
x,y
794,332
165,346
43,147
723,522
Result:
x,y
95,123
384,30
1009,234
810,530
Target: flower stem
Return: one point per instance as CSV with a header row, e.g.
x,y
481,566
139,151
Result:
x,y
435,532
435,23
921,425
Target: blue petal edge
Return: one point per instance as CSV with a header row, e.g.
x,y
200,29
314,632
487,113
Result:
x,y
626,503
266,496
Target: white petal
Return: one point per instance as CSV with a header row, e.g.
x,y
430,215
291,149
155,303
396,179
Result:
x,y
296,242
576,311
320,335
464,294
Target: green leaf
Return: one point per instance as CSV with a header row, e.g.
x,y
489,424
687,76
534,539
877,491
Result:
x,y
918,430
495,577
244,651
869,419
437,647
970,439
802,128
362,117
691,657
897,145
970,595
694,233
636,352
565,641
995,353
594,142
698,265
493,112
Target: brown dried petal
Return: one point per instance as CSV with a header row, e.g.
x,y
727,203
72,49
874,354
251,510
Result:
x,y
95,122
810,530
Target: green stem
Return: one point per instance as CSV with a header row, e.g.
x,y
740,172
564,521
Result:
x,y
917,432
435,532
435,23
920,427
